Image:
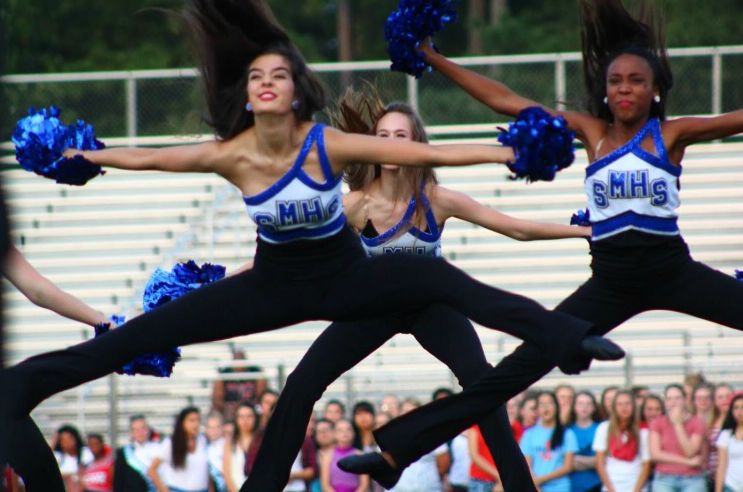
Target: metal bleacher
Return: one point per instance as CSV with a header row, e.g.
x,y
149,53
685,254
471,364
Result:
x,y
101,242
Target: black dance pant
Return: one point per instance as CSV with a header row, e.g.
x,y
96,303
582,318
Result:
x,y
328,279
443,332
609,298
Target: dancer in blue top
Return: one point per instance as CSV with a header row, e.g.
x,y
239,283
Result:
x,y
261,97
640,262
396,210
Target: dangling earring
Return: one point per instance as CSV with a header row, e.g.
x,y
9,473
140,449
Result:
x,y
249,108
656,99
606,100
295,104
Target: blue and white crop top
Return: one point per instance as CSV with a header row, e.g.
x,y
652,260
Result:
x,y
632,189
296,206
426,242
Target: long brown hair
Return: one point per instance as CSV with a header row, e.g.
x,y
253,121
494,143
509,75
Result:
x,y
359,111
608,30
614,425
179,440
227,35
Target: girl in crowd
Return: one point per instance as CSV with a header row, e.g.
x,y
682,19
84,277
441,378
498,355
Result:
x,y
72,457
584,422
363,426
721,397
235,449
702,404
730,448
622,451
549,447
260,97
678,446
185,463
527,415
565,397
484,476
332,478
99,473
652,408
639,261
396,210
324,443
607,397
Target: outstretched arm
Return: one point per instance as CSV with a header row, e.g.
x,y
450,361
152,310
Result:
x,y
502,99
451,203
42,292
349,148
682,132
197,158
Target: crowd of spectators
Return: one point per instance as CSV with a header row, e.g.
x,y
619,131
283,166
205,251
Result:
x,y
689,438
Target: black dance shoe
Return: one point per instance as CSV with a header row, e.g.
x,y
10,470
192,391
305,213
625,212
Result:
x,y
600,348
372,464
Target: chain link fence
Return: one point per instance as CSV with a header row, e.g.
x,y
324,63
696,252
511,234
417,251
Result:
x,y
169,102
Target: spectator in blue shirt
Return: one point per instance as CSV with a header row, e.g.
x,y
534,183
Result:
x,y
549,447
584,422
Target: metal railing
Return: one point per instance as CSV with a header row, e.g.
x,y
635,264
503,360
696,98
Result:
x,y
167,102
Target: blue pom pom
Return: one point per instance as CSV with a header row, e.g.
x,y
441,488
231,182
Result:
x,y
739,275
164,287
185,277
581,218
40,139
543,144
407,26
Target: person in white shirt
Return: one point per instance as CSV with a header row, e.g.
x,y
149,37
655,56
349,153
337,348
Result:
x,y
215,435
133,461
730,449
185,464
71,456
622,450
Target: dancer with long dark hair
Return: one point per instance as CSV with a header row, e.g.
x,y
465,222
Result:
x,y
396,210
640,262
261,96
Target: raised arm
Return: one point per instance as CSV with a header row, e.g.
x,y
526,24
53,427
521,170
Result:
x,y
682,132
197,158
449,203
350,148
44,293
501,99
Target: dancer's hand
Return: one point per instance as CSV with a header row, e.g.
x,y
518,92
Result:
x,y
71,152
426,47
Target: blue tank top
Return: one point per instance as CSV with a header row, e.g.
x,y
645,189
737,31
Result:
x,y
632,189
296,206
426,242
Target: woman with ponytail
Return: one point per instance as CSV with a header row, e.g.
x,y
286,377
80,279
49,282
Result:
x,y
640,261
261,97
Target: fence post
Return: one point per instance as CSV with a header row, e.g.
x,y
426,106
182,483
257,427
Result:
x,y
412,84
687,353
281,376
716,81
131,106
113,409
561,84
350,393
629,370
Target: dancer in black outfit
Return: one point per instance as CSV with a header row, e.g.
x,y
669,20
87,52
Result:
x,y
640,261
410,209
308,264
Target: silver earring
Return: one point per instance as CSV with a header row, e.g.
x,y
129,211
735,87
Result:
x,y
606,100
249,108
656,99
295,104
